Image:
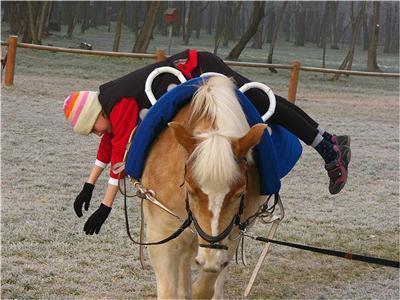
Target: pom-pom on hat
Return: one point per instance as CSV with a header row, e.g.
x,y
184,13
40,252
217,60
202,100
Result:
x,y
81,109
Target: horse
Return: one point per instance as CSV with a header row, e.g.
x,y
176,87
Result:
x,y
201,164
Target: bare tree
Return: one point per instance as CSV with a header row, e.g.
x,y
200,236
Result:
x,y
220,25
334,39
373,38
258,13
275,34
85,18
74,18
355,26
365,30
143,39
300,24
388,29
43,19
324,31
394,40
121,14
32,14
187,29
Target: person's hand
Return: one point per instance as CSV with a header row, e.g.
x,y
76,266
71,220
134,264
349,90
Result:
x,y
84,197
96,220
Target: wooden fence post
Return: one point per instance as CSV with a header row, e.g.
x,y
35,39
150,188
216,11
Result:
x,y
10,63
160,55
294,79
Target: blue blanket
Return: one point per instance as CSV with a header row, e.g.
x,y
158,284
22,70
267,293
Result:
x,y
275,155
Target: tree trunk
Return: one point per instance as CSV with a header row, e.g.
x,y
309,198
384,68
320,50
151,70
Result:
x,y
220,25
258,13
143,40
374,38
188,20
85,19
366,34
121,14
228,27
270,22
324,31
42,20
334,39
394,45
74,19
300,23
210,18
32,22
135,18
197,20
388,31
275,34
355,26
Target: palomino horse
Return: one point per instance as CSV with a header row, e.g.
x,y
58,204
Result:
x,y
201,163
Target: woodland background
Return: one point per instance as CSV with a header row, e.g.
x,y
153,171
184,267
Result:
x,y
232,24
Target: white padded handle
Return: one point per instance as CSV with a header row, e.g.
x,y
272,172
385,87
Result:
x,y
154,74
212,74
268,91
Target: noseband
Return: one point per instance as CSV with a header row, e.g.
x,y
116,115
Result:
x,y
213,240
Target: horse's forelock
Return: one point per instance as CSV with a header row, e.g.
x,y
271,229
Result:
x,y
216,100
213,162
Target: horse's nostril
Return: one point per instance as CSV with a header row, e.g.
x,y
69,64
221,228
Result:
x,y
197,262
224,264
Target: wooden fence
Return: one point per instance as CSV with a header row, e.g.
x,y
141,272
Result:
x,y
295,67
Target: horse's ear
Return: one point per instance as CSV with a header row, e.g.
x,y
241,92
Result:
x,y
242,145
183,137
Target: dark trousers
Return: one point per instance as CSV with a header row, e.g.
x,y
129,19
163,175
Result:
x,y
286,114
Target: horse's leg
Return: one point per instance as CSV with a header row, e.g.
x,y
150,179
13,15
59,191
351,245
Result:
x,y
184,276
219,284
165,262
203,287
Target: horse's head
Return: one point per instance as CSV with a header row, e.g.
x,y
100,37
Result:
x,y
216,185
216,170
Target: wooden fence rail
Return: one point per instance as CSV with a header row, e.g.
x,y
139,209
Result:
x,y
295,68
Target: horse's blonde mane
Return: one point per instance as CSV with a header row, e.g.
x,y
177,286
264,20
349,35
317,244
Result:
x,y
214,164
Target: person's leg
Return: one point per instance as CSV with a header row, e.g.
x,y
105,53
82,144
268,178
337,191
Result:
x,y
334,150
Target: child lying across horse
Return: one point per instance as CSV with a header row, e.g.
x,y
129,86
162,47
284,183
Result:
x,y
112,113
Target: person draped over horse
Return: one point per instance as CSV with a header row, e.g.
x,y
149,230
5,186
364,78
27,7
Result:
x,y
114,111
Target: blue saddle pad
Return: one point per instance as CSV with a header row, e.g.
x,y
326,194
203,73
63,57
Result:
x,y
275,155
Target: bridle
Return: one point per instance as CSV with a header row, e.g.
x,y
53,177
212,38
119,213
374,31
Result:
x,y
213,241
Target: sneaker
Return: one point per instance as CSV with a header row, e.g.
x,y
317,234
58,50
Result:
x,y
343,140
337,169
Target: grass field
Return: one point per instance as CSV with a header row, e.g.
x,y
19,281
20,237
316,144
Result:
x,y
45,253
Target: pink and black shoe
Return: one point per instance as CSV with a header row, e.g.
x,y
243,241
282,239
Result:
x,y
340,140
338,168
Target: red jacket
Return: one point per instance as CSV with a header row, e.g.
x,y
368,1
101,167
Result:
x,y
112,147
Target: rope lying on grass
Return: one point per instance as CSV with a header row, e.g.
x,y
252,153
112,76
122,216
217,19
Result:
x,y
348,255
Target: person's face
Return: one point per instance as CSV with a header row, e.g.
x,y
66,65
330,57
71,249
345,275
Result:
x,y
102,125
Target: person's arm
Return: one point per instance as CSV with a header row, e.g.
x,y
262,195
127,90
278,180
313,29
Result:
x,y
110,195
122,119
95,174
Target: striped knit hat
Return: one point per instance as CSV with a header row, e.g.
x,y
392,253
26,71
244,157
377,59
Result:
x,y
81,109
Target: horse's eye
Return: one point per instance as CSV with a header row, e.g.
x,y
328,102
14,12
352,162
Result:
x,y
238,196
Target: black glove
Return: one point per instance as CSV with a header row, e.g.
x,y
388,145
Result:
x,y
93,224
84,197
